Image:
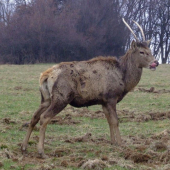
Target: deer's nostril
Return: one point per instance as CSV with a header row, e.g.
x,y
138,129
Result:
x,y
156,62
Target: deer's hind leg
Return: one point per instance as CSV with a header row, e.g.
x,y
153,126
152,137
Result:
x,y
62,95
36,117
45,118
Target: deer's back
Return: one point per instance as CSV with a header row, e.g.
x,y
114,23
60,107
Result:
x,y
93,81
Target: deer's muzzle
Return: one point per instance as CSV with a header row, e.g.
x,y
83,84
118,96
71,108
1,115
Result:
x,y
153,65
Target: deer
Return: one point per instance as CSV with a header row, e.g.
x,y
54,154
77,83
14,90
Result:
x,y
99,81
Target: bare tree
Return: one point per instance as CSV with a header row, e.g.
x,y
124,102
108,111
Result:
x,y
52,31
153,15
6,11
162,27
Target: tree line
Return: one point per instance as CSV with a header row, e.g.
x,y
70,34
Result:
x,y
40,31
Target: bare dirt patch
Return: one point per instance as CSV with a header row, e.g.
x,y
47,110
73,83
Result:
x,y
67,120
9,121
149,152
94,164
87,138
127,116
84,112
134,152
20,88
124,115
153,90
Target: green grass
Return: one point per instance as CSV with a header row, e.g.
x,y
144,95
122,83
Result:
x,y
20,97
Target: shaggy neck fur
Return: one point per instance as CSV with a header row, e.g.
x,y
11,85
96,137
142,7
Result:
x,y
131,72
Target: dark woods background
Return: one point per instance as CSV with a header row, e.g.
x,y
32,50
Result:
x,y
33,31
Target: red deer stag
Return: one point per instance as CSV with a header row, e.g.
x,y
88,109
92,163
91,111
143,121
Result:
x,y
101,80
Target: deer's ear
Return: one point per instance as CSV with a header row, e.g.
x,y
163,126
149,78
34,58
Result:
x,y
133,45
148,42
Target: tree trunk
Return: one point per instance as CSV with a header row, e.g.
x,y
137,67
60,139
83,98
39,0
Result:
x,y
164,60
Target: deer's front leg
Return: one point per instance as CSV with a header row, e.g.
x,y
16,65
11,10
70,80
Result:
x,y
111,115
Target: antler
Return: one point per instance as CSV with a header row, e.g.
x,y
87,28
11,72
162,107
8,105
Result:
x,y
130,29
140,29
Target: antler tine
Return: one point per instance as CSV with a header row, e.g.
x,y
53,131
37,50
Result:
x,y
130,29
143,35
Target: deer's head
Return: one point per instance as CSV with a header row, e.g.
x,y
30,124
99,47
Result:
x,y
141,51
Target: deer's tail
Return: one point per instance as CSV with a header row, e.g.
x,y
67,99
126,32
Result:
x,y
45,94
44,76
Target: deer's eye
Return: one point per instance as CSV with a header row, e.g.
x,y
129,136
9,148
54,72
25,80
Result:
x,y
141,52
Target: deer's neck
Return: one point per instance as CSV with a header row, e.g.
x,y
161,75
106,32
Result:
x,y
131,72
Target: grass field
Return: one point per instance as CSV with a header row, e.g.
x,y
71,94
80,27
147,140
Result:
x,y
79,138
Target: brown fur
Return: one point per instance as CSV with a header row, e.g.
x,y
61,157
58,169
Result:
x,y
101,80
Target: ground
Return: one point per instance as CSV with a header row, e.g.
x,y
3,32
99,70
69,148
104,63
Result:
x,y
79,138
